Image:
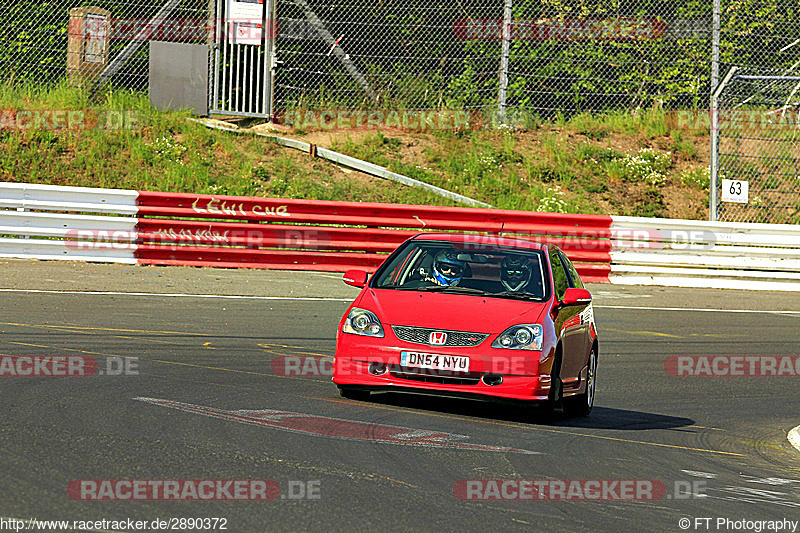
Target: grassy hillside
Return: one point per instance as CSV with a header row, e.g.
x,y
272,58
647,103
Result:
x,y
616,164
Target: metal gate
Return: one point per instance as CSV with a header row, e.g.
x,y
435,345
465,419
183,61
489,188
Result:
x,y
242,65
756,156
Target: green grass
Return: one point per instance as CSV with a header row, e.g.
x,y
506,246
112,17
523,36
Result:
x,y
169,153
567,167
650,123
683,146
698,178
618,163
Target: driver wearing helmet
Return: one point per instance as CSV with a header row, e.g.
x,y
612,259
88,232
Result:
x,y
515,272
447,269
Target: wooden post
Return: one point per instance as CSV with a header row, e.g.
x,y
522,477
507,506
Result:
x,y
87,47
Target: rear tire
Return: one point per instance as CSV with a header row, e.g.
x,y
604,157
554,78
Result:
x,y
581,405
354,394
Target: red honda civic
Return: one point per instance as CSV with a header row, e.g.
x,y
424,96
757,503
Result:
x,y
471,316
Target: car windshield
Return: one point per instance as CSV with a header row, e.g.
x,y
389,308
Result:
x,y
440,266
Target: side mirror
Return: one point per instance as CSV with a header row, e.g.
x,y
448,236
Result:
x,y
356,278
574,296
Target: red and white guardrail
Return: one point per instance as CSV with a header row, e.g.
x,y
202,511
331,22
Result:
x,y
51,222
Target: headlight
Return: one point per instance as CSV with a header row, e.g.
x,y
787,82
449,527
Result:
x,y
363,322
521,337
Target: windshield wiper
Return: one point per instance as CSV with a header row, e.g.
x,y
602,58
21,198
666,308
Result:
x,y
518,295
456,289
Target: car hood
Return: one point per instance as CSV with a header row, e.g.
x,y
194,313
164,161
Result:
x,y
456,312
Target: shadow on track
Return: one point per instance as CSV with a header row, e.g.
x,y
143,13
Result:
x,y
601,417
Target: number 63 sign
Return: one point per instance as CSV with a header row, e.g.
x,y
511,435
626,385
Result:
x,y
734,191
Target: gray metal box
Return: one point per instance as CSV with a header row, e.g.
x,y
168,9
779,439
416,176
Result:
x,y
179,76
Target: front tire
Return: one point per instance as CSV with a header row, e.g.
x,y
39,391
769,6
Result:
x,y
546,409
581,405
354,394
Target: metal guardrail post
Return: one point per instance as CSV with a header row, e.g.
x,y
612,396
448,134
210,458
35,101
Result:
x,y
714,133
714,160
503,82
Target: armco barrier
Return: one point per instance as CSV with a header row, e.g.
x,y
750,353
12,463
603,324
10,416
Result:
x,y
417,217
248,232
54,198
320,235
690,253
50,222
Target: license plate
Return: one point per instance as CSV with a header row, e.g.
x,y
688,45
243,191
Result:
x,y
432,361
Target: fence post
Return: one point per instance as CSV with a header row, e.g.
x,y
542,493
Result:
x,y
88,34
713,170
501,95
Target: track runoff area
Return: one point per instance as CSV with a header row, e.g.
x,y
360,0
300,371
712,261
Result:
x,y
145,399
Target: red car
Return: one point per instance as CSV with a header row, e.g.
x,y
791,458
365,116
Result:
x,y
475,316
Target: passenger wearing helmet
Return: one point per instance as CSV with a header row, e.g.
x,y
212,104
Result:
x,y
515,272
447,269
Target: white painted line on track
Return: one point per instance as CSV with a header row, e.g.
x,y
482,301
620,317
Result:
x,y
330,299
699,309
794,437
180,295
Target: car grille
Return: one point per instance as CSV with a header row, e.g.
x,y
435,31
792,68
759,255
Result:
x,y
454,338
428,376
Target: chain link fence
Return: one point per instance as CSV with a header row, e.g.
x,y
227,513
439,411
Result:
x,y
34,37
558,57
758,149
543,56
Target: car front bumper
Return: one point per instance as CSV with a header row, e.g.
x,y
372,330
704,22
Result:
x,y
518,369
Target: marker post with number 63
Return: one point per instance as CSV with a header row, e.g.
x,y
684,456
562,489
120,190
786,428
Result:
x,y
734,191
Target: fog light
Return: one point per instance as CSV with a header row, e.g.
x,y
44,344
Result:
x,y
492,379
376,369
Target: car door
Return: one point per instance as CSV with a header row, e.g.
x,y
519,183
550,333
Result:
x,y
578,333
566,320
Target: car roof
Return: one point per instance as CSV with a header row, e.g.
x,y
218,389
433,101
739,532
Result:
x,y
480,240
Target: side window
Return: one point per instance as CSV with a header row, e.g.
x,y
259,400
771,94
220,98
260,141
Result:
x,y
573,274
559,274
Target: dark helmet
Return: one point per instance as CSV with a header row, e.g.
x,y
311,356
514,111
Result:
x,y
448,268
515,272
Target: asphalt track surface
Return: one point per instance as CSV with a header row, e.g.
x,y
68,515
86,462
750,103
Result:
x,y
729,434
